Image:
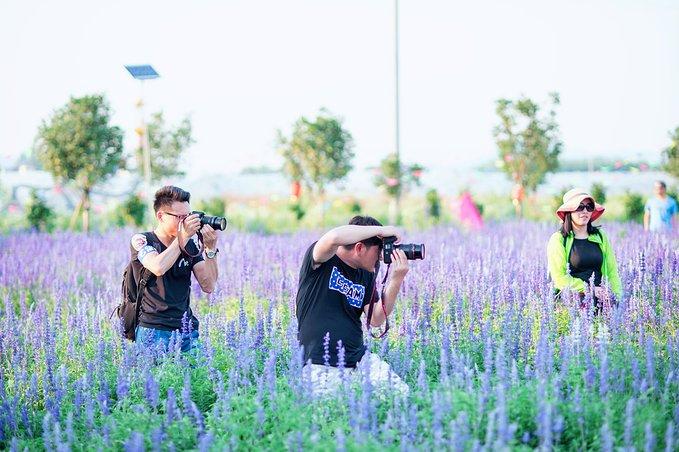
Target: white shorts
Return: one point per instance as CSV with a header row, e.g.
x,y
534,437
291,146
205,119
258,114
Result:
x,y
327,379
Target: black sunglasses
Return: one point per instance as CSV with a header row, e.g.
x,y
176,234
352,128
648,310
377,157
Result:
x,y
588,206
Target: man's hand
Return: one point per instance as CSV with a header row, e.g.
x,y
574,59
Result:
x,y
399,264
188,228
210,237
391,231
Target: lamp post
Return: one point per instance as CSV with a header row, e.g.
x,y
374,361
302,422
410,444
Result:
x,y
142,73
397,118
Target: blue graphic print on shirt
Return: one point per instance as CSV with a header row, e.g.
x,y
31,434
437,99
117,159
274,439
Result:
x,y
354,292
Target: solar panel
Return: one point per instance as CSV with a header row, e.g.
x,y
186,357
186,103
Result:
x,y
143,72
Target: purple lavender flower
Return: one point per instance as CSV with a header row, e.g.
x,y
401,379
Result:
x,y
649,438
135,443
326,349
151,391
669,437
629,424
205,442
422,383
606,438
157,436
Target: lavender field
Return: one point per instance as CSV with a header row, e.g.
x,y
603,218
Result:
x,y
492,361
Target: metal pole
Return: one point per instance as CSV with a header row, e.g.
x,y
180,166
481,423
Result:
x,y
397,116
146,150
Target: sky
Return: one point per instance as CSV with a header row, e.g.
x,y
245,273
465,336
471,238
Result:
x,y
244,69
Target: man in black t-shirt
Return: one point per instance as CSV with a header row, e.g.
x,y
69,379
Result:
x,y
165,303
336,284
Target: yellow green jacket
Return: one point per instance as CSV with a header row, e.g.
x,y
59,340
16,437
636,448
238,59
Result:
x,y
557,260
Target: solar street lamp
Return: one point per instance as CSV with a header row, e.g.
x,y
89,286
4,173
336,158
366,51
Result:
x,y
142,73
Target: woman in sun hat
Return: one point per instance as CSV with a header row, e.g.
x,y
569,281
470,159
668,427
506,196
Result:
x,y
579,249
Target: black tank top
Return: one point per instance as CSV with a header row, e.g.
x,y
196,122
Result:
x,y
586,258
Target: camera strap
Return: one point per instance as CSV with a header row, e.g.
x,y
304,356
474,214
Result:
x,y
200,246
372,305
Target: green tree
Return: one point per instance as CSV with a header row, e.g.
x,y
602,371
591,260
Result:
x,y
297,209
167,144
215,206
529,145
38,214
395,178
434,205
319,152
79,145
599,192
670,155
557,198
634,206
134,210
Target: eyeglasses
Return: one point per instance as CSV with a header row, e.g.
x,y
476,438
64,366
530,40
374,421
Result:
x,y
180,217
589,207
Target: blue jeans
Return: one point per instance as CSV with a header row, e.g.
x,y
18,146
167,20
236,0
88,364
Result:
x,y
151,337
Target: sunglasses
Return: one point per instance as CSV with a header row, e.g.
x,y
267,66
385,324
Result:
x,y
589,207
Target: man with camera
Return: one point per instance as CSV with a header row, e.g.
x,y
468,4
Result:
x,y
336,287
171,252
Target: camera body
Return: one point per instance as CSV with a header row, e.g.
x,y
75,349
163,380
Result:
x,y
217,223
412,251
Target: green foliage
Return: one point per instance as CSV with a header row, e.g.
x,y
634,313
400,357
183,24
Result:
x,y
673,192
355,206
319,152
670,156
78,144
634,206
599,192
215,206
479,206
529,146
38,214
557,199
433,204
134,210
297,209
395,178
167,144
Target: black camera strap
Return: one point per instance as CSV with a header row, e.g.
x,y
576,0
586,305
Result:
x,y
199,246
371,306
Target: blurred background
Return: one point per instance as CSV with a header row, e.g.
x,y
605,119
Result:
x,y
298,114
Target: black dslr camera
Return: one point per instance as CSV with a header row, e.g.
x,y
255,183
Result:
x,y
217,223
413,251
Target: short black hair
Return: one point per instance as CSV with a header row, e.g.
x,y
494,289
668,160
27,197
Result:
x,y
662,184
365,220
169,194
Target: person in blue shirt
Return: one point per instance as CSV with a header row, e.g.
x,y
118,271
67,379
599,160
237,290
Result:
x,y
660,210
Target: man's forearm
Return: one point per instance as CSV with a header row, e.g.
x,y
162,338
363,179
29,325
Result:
x,y
162,262
388,302
350,234
213,272
646,221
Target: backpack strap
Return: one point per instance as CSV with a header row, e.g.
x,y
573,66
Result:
x,y
145,276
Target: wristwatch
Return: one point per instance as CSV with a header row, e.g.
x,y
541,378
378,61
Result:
x,y
210,254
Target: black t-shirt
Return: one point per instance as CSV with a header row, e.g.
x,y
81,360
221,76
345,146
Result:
x,y
586,258
166,298
330,299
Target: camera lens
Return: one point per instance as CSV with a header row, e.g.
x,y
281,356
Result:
x,y
412,251
220,223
